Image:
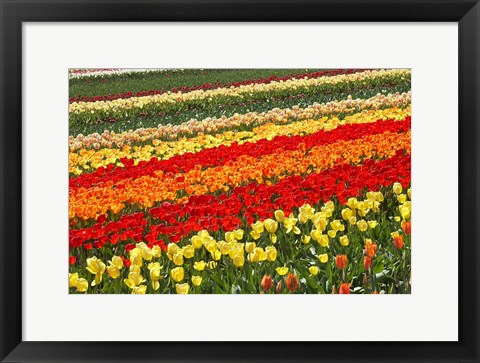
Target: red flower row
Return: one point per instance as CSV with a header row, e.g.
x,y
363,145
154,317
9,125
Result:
x,y
221,155
244,204
208,86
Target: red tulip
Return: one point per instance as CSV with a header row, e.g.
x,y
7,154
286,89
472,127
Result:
x,y
266,283
292,282
398,242
341,261
344,288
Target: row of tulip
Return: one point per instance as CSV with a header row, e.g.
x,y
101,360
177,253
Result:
x,y
232,107
212,85
75,73
327,248
382,141
217,156
88,160
90,112
171,222
245,121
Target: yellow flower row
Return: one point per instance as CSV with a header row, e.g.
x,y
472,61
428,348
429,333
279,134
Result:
x,y
323,229
111,139
240,92
88,160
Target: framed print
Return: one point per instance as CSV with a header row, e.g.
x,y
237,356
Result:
x,y
261,158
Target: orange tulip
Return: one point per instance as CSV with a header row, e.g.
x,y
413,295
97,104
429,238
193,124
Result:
x,y
407,226
398,241
367,262
344,288
292,282
341,261
370,249
266,282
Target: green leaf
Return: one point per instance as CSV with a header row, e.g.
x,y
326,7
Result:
x,y
378,267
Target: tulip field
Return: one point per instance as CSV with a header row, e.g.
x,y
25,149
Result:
x,y
239,181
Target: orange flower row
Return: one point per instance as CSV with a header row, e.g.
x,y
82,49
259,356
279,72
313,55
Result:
x,y
145,191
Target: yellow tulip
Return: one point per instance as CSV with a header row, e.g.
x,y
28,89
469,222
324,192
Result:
x,y
258,227
401,198
307,210
197,242
271,253
134,279
216,255
199,266
289,224
279,215
320,222
139,290
196,280
177,274
173,249
379,197
323,258
72,279
362,225
409,193
347,213
315,234
155,274
337,225
96,267
344,241
397,188
230,237
270,225
352,220
250,246
313,270
239,260
157,251
257,255
352,203
238,234
178,259
305,239
211,246
332,233
302,218
405,210
324,241
117,262
113,271
188,251
372,224
212,264
255,235
182,289
224,247
273,238
82,285
282,270
147,254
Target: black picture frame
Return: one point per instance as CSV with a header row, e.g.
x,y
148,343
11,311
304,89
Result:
x,y
14,12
